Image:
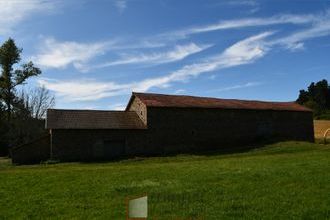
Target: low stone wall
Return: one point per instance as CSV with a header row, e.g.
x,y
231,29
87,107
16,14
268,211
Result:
x,y
32,152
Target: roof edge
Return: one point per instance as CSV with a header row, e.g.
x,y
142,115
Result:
x,y
136,94
246,109
90,110
133,95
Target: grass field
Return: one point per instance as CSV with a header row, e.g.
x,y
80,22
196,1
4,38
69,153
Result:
x,y
282,181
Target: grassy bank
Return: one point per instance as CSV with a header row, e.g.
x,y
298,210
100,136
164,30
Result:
x,y
281,181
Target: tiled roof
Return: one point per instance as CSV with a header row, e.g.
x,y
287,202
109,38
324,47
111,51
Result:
x,y
182,101
91,119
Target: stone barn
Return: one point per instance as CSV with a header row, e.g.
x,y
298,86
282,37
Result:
x,y
156,124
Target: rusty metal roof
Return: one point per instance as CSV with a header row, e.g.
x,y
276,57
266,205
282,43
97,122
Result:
x,y
183,101
91,119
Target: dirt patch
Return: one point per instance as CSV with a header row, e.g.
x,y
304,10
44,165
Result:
x,y
320,126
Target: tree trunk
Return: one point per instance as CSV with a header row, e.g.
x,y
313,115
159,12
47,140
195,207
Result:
x,y
8,103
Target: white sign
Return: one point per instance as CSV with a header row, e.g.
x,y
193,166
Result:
x,y
138,207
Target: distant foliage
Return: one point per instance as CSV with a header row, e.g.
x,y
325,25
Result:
x,y
317,97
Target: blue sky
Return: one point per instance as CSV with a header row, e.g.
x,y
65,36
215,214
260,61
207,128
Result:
x,y
93,54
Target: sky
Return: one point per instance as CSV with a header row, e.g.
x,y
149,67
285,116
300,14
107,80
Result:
x,y
93,54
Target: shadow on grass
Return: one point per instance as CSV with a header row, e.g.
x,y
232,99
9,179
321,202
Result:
x,y
260,147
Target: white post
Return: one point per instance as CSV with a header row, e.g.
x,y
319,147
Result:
x,y
325,135
51,144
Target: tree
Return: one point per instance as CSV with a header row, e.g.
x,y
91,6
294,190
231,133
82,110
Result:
x,y
10,78
37,101
317,97
3,130
16,125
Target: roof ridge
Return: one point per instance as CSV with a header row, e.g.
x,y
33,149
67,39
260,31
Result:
x,y
90,110
207,97
182,101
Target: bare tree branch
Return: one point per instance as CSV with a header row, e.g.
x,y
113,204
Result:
x,y
37,101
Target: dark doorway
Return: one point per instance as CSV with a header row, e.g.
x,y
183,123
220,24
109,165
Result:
x,y
114,149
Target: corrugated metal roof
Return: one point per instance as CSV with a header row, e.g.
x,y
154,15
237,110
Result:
x,y
91,119
182,101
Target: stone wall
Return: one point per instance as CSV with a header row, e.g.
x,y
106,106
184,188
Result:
x,y
139,108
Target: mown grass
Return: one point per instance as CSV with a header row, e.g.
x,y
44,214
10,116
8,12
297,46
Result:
x,y
287,180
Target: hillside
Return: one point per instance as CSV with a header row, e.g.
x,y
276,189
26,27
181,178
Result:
x,y
280,181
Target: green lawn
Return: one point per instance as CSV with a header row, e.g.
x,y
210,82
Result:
x,y
281,181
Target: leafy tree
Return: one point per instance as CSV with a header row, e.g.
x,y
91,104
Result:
x,y
3,130
10,77
317,97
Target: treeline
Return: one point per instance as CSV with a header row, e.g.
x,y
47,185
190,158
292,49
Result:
x,y
22,111
317,97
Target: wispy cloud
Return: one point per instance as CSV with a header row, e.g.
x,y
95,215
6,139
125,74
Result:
x,y
15,11
179,91
242,2
60,54
121,5
252,5
117,106
315,25
55,54
320,28
302,20
83,90
243,23
178,53
242,52
239,86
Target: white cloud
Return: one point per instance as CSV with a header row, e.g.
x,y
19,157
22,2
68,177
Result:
x,y
243,52
13,12
178,53
55,54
